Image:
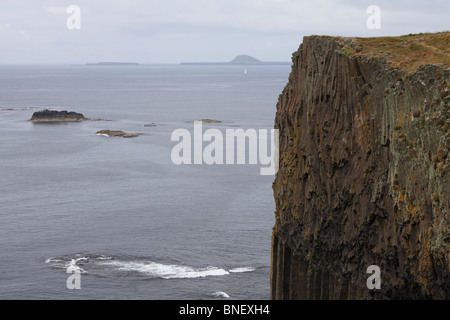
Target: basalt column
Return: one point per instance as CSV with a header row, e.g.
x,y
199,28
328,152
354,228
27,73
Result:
x,y
364,175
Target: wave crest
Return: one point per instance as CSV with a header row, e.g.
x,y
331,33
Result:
x,y
220,294
166,271
82,263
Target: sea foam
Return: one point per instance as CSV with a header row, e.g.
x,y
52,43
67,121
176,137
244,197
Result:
x,y
220,294
166,271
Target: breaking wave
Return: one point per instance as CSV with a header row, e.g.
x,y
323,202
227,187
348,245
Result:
x,y
220,294
242,269
83,263
74,263
166,271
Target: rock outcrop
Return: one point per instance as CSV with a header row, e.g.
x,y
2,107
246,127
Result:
x,y
205,121
118,133
364,170
57,116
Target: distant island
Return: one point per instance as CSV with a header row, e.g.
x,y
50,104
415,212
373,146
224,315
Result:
x,y
113,64
239,60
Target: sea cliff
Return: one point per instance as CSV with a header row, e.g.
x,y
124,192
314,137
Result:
x,y
364,170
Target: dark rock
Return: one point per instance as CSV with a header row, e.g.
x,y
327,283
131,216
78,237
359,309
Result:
x,y
368,199
57,116
118,133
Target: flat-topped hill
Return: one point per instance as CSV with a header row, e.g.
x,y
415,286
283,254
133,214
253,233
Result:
x,y
239,60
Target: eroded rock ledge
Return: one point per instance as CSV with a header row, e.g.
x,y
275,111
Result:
x,y
364,173
118,133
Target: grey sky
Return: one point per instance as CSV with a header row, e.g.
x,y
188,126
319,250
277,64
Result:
x,y
173,31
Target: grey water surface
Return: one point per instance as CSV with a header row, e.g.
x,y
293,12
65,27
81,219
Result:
x,y
118,210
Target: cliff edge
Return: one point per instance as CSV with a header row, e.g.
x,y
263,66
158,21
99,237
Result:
x,y
364,170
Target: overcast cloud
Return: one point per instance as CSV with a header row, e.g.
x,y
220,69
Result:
x,y
173,31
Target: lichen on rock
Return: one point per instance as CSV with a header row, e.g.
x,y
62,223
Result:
x,y
363,178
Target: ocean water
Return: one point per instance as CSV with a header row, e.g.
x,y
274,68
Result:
x,y
133,224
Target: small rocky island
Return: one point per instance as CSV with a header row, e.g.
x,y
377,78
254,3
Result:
x,y
52,116
57,116
117,133
205,121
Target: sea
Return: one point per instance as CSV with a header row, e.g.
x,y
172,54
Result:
x,y
118,213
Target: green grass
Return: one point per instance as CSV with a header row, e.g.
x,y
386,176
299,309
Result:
x,y
404,52
347,50
436,198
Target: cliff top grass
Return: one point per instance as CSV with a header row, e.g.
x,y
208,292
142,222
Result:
x,y
406,52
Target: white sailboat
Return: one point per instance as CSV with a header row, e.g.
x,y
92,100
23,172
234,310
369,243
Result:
x,y
245,72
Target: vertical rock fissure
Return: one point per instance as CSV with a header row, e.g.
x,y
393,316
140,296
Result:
x,y
363,177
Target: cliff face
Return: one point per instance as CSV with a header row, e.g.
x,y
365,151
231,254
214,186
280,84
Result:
x,y
364,172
